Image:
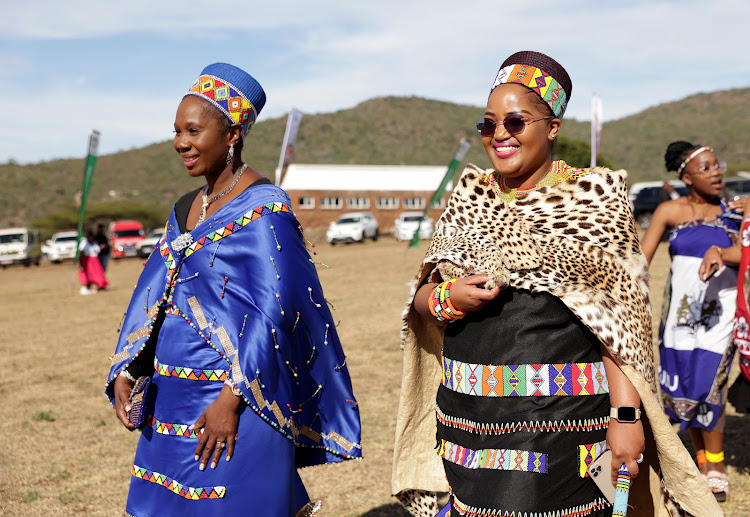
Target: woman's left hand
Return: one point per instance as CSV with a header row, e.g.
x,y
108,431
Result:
x,y
219,422
627,442
712,262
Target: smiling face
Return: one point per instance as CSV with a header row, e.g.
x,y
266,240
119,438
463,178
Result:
x,y
704,176
200,138
524,158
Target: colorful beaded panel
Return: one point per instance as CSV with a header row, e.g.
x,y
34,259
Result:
x,y
228,99
587,454
225,231
496,459
575,511
559,171
194,494
524,380
538,80
174,429
493,428
192,374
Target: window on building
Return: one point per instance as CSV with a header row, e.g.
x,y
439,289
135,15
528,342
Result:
x,y
414,203
307,202
330,203
439,204
358,202
387,203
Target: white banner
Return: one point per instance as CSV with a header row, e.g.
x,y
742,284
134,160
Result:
x,y
596,127
287,147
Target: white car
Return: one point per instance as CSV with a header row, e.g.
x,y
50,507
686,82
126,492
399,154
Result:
x,y
61,246
404,227
353,227
146,246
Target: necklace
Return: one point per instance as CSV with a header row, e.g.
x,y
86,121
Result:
x,y
697,200
208,200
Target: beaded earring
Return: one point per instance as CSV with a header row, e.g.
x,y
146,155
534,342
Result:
x,y
230,154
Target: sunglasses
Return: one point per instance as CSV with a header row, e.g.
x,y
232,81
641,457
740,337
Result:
x,y
514,124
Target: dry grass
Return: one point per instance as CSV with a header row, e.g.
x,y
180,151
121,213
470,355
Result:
x,y
66,454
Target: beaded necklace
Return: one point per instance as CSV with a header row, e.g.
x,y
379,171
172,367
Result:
x,y
208,200
559,171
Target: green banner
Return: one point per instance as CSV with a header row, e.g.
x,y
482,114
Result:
x,y
463,148
88,176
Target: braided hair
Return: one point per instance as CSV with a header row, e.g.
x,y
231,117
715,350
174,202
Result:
x,y
676,153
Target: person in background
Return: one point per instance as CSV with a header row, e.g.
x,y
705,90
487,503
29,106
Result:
x,y
695,342
531,320
104,248
229,320
90,272
668,192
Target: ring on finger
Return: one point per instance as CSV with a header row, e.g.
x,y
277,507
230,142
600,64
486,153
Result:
x,y
640,458
220,445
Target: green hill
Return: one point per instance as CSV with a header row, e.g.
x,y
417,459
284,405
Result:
x,y
388,130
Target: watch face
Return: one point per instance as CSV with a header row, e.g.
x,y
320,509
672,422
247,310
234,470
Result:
x,y
626,414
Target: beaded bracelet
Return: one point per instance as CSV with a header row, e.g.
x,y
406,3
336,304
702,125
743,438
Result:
x,y
440,305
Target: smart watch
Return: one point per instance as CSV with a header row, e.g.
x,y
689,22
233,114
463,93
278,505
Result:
x,y
625,414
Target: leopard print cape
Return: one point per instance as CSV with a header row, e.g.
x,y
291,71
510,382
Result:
x,y
576,240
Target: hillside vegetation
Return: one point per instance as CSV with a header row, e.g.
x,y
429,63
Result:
x,y
388,130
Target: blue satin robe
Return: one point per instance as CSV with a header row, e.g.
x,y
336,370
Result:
x,y
242,301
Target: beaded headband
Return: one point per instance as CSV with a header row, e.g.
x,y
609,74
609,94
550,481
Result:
x,y
541,74
695,153
232,91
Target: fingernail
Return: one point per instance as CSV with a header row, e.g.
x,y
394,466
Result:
x,y
229,457
213,464
202,466
127,408
192,427
196,457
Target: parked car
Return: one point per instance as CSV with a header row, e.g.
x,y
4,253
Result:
x,y
404,227
19,246
646,202
736,188
124,238
147,245
61,246
353,227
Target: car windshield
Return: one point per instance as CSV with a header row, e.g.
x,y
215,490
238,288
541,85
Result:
x,y
12,238
129,233
412,218
157,233
66,238
345,220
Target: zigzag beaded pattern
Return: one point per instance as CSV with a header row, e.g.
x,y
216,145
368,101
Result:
x,y
194,494
174,429
524,380
538,80
183,372
575,511
496,459
622,493
229,229
495,428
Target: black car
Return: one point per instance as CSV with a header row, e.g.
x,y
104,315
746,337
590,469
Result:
x,y
646,202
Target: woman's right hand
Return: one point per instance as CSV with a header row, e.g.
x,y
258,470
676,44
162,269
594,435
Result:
x,y
123,388
469,295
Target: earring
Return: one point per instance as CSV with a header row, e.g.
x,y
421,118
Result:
x,y
230,154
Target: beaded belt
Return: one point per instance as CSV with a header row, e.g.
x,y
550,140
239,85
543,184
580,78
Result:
x,y
193,374
524,380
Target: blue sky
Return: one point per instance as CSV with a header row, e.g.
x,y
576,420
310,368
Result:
x,y
69,67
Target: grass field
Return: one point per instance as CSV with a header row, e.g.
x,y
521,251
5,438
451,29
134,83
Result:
x,y
66,454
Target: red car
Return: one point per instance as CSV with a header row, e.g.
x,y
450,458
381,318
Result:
x,y
124,238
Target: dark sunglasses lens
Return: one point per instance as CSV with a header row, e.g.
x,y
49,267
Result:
x,y
486,127
514,124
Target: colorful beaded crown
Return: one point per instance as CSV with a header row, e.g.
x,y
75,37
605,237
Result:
x,y
539,73
232,91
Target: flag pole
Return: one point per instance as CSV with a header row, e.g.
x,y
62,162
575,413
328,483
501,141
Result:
x,y
460,154
596,127
287,146
88,176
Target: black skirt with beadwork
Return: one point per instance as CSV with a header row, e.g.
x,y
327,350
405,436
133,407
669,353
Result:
x,y
522,409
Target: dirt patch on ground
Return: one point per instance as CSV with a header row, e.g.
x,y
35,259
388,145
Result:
x,y
66,454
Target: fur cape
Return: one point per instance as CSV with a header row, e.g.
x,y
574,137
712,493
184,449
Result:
x,y
577,241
